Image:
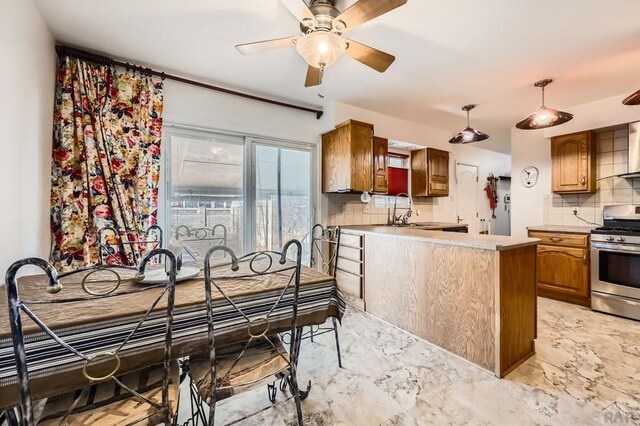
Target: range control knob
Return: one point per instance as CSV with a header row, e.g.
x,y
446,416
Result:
x,y
609,238
620,239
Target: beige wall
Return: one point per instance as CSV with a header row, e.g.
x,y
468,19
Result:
x,y
27,89
533,148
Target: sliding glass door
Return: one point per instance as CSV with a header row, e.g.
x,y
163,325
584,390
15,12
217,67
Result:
x,y
283,195
237,191
205,193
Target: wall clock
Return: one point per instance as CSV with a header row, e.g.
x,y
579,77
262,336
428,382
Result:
x,y
529,176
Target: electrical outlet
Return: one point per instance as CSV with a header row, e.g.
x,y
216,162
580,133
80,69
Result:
x,y
418,212
366,209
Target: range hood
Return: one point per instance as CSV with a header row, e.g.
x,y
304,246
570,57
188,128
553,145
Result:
x,y
634,151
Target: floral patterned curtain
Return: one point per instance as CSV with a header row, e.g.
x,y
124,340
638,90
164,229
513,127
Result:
x,y
106,159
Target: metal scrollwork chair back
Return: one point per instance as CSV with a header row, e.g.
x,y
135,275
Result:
x,y
325,248
100,359
129,247
217,235
325,245
260,354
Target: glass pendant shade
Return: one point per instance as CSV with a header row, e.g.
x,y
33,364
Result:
x,y
468,135
632,99
544,117
321,49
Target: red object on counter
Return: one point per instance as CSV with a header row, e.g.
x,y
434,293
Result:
x,y
398,180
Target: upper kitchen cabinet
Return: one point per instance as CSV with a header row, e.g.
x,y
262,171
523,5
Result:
x,y
429,173
573,162
380,156
347,158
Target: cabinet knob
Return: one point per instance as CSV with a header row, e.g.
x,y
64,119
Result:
x,y
556,239
584,180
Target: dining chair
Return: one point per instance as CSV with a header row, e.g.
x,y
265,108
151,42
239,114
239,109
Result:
x,y
216,236
109,394
257,355
325,246
128,247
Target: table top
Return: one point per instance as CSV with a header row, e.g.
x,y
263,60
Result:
x,y
187,293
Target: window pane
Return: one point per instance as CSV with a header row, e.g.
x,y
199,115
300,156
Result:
x,y
206,194
283,197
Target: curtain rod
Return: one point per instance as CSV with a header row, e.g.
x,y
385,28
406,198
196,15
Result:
x,y
105,60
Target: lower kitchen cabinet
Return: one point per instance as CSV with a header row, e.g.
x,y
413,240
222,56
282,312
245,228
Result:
x,y
562,267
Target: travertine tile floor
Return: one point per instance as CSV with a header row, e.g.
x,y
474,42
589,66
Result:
x,y
586,371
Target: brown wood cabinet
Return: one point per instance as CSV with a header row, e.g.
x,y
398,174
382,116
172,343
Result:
x,y
429,173
562,270
347,160
380,156
573,160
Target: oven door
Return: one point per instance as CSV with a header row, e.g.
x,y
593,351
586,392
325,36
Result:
x,y
615,269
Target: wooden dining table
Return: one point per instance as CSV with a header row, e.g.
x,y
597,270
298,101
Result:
x,y
96,326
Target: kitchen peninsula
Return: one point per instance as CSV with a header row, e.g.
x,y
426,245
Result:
x,y
473,295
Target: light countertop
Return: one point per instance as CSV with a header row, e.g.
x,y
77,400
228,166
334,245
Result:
x,y
486,242
563,228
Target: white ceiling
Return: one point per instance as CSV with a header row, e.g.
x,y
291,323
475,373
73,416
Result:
x,y
449,53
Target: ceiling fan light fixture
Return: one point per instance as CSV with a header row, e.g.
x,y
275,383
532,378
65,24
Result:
x,y
321,49
469,134
544,117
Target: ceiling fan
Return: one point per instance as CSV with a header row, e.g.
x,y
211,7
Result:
x,y
321,43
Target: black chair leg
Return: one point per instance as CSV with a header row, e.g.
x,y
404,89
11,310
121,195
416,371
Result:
x,y
335,330
296,396
311,328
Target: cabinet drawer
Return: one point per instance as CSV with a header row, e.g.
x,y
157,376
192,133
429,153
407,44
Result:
x,y
351,266
559,239
350,253
349,283
350,240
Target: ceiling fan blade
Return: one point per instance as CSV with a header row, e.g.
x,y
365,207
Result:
x,y
632,99
374,58
262,46
300,10
365,10
314,77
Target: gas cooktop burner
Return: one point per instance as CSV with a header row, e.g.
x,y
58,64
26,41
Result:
x,y
616,230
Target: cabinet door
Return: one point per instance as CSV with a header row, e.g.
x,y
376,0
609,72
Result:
x,y
563,269
380,155
573,163
361,157
438,172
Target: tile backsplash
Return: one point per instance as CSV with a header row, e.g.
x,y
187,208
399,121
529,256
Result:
x,y
611,159
347,209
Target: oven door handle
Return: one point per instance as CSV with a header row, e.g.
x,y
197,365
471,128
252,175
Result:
x,y
615,247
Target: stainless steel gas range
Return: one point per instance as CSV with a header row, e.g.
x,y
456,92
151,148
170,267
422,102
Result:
x,y
615,262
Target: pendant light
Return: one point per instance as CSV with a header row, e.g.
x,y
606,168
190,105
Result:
x,y
469,135
544,117
632,99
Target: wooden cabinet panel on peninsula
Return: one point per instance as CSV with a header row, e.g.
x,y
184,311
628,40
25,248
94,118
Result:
x,y
347,158
562,270
429,173
573,160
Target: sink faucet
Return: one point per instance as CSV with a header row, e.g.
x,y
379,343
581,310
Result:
x,y
403,219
